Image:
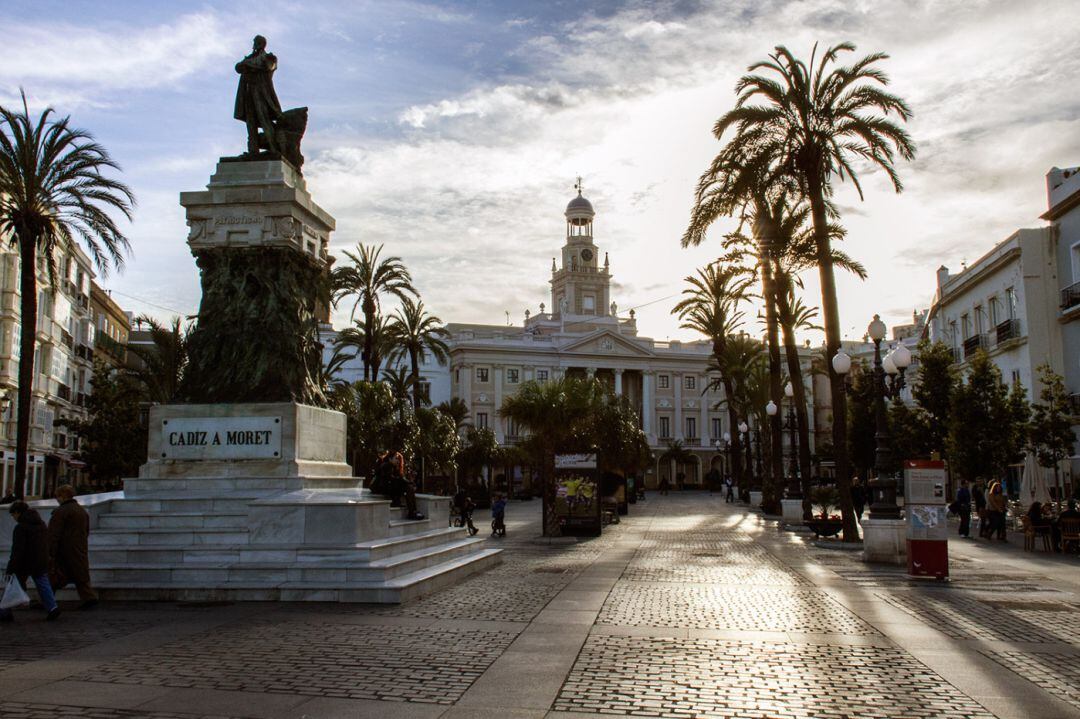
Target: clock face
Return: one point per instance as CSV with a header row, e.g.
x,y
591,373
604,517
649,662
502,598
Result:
x,y
586,255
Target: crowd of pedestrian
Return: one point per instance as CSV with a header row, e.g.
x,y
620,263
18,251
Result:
x,y
989,509
52,556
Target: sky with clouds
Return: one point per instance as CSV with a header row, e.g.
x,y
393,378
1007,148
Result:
x,y
453,132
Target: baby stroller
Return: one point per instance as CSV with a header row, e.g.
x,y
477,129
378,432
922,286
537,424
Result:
x,y
498,516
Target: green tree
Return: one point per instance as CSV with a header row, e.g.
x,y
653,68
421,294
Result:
x,y
813,123
478,451
980,418
416,334
437,442
1050,432
558,418
400,381
933,390
621,444
112,440
906,434
52,194
456,409
161,365
367,279
377,422
862,425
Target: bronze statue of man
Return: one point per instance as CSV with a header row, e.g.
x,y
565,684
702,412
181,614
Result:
x,y
256,102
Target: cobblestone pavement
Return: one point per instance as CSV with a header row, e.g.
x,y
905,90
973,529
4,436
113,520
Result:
x,y
688,608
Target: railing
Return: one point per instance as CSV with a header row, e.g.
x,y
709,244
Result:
x,y
67,339
1070,296
1007,330
63,392
84,352
973,345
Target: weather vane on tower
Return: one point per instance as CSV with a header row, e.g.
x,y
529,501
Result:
x,y
579,186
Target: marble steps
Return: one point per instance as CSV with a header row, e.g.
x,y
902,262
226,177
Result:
x,y
173,520
186,503
393,591
178,487
360,551
168,536
328,571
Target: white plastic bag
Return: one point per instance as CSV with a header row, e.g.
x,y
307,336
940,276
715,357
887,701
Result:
x,y
14,594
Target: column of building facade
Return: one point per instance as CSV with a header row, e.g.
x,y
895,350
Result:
x,y
618,382
704,428
496,421
648,405
677,378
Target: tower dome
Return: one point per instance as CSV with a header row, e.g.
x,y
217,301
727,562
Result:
x,y
579,211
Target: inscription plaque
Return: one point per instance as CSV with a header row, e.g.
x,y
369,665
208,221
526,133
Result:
x,y
217,438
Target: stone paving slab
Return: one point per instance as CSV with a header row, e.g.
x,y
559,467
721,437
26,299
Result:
x,y
318,659
23,710
711,678
1057,673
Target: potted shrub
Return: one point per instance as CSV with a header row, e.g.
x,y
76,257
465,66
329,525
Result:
x,y
827,523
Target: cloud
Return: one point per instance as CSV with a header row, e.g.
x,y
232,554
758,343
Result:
x,y
79,65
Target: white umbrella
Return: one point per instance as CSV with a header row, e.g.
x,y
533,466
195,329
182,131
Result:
x,y
1033,484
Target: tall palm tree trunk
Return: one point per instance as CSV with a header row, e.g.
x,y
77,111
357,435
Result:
x,y
770,496
831,314
787,323
736,443
28,319
369,344
414,361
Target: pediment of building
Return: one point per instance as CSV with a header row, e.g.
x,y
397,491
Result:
x,y
605,342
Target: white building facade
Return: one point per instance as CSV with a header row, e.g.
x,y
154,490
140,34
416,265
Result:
x,y
1006,304
63,368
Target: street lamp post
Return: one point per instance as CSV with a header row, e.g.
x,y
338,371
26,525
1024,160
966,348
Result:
x,y
727,456
888,381
744,429
794,488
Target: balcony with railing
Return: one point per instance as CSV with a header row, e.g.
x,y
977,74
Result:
x,y
110,346
973,344
1007,330
63,392
1070,296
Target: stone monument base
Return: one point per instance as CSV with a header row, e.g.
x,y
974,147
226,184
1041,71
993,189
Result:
x,y
885,541
755,499
253,502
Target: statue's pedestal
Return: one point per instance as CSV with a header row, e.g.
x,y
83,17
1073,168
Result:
x,y
885,541
253,501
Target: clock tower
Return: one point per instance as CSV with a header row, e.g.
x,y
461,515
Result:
x,y
580,286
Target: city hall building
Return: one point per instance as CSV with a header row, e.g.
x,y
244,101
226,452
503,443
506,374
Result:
x,y
582,333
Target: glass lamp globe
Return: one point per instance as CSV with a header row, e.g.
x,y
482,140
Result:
x,y
877,329
901,357
727,436
743,427
889,365
770,408
841,363
789,391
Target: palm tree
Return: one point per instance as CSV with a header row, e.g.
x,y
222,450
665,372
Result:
x,y
367,279
456,409
400,382
52,191
378,341
416,334
334,388
162,364
813,122
678,454
558,418
710,305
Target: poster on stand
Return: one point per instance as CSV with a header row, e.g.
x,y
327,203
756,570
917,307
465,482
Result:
x,y
927,527
577,494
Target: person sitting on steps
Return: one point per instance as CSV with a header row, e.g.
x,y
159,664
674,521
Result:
x,y
391,481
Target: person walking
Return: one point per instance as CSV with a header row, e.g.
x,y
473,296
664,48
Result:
x,y
858,498
30,558
664,485
69,556
729,493
995,507
963,508
979,498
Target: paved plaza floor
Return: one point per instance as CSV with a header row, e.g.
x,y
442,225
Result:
x,y
688,608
